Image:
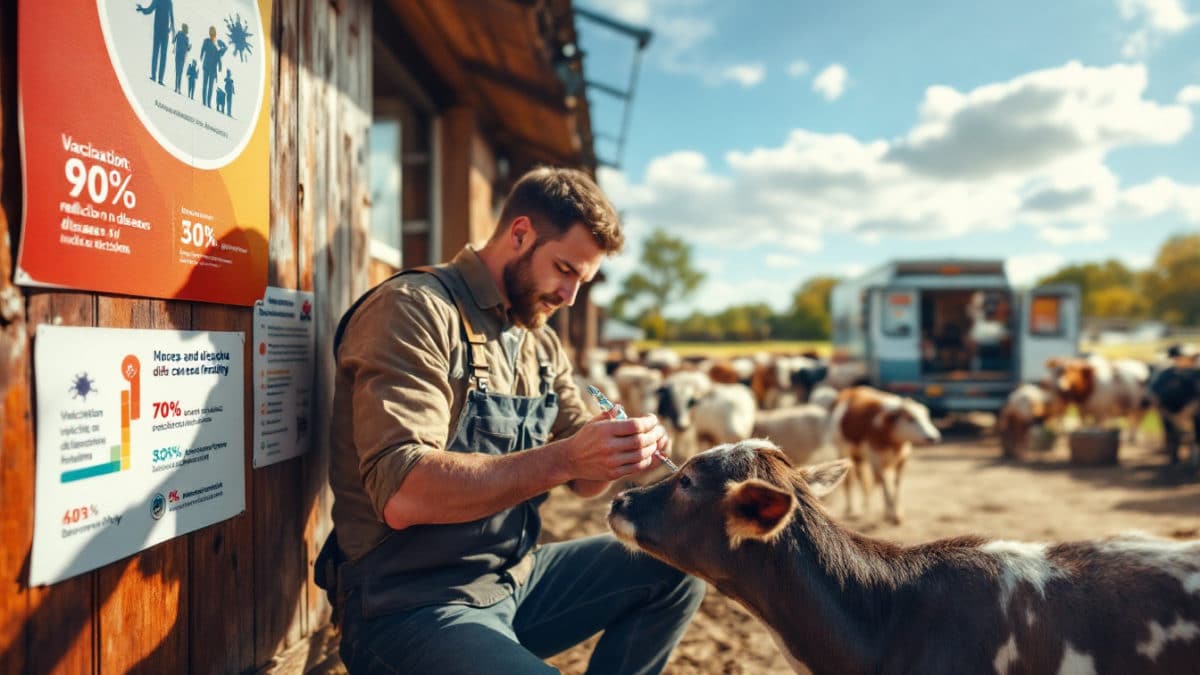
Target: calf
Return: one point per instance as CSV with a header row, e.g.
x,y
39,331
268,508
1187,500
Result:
x,y
724,415
824,396
744,519
1103,389
868,425
800,430
637,388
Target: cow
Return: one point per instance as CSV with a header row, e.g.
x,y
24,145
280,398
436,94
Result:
x,y
1028,405
775,382
1175,392
879,429
824,396
743,518
637,388
1103,389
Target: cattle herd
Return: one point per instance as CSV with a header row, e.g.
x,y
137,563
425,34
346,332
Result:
x,y
762,441
815,410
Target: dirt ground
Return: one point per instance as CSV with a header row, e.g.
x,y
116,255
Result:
x,y
959,487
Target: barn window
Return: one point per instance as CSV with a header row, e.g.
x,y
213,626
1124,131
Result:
x,y
404,229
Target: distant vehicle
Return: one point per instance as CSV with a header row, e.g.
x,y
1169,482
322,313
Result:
x,y
953,334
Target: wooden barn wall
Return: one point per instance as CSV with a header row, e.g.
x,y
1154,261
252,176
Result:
x,y
228,597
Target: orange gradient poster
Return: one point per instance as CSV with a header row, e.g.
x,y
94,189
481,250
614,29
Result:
x,y
145,142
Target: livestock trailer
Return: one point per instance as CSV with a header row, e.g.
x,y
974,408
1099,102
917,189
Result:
x,y
951,333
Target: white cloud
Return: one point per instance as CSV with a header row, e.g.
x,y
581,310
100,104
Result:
x,y
1155,20
1189,95
745,74
946,177
831,82
781,261
853,270
1025,269
1073,235
719,292
681,30
1037,119
1163,195
798,68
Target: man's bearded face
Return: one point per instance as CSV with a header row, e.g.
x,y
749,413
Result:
x,y
530,305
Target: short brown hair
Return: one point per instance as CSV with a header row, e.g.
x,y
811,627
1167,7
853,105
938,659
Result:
x,y
557,199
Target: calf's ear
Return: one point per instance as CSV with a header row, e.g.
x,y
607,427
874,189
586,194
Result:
x,y
755,509
823,478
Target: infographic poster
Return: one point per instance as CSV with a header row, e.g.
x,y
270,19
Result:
x,y
139,440
284,349
145,141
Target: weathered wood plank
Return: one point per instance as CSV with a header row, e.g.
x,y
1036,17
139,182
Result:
x,y
144,604
221,581
316,655
285,18
60,631
317,122
16,415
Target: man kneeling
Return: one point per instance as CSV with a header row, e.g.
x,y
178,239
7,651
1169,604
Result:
x,y
454,414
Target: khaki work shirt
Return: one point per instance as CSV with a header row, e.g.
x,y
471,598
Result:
x,y
402,380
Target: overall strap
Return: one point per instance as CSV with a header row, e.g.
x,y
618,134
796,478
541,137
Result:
x,y
545,368
476,342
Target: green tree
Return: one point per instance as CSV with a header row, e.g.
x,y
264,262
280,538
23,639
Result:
x,y
808,318
1118,301
1095,281
1172,285
665,275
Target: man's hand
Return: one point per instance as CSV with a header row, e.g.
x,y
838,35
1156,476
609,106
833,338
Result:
x,y
606,449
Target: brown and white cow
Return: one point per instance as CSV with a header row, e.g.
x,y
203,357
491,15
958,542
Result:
x,y
743,518
1103,389
1027,405
879,429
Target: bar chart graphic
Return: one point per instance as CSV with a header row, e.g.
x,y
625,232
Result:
x,y
119,455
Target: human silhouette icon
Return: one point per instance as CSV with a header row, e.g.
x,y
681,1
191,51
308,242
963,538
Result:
x,y
164,25
220,100
192,73
210,62
229,92
182,46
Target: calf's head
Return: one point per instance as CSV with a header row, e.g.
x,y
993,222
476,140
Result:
x,y
908,422
1075,379
718,512
676,398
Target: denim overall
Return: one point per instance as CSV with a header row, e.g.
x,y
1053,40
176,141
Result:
x,y
460,563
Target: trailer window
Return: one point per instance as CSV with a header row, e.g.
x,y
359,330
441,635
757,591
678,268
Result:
x,y
899,314
1045,315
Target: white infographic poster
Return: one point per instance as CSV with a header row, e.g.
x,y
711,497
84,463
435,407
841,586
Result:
x,y
139,440
284,353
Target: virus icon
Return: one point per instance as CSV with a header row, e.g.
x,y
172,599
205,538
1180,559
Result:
x,y
82,386
239,36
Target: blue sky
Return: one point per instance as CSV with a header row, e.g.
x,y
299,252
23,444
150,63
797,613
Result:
x,y
787,139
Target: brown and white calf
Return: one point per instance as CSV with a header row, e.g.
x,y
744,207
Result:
x,y
1103,389
878,429
743,518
